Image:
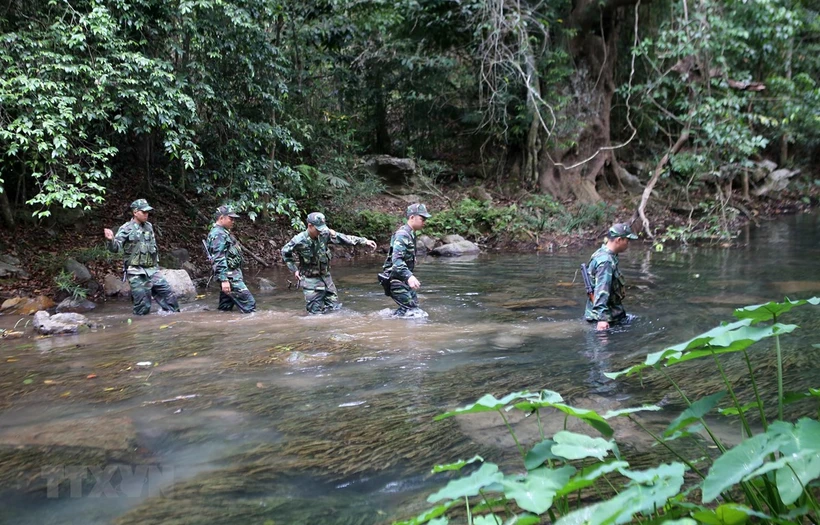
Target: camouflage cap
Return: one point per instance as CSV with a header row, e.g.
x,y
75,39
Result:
x,y
226,209
141,205
621,230
418,209
318,221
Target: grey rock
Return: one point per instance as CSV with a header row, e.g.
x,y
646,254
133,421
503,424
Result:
x,y
176,258
480,193
75,305
395,172
114,285
455,249
266,286
776,181
192,270
10,270
181,284
67,323
428,242
81,273
449,239
10,260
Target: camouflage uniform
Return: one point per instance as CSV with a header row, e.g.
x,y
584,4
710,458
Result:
x,y
399,266
226,258
314,264
139,246
609,288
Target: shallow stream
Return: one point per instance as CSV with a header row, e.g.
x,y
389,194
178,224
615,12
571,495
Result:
x,y
277,417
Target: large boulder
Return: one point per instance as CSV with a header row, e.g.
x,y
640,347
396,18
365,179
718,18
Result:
x,y
78,305
455,249
425,243
397,174
776,181
176,258
181,284
67,323
80,272
449,239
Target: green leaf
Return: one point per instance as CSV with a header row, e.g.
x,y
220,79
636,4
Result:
x,y
736,463
734,341
488,519
649,492
536,491
431,515
803,450
458,465
539,454
523,519
727,514
570,445
766,312
470,485
694,413
486,403
627,411
588,476
590,417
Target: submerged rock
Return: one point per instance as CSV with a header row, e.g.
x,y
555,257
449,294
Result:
x,y
75,305
67,323
266,286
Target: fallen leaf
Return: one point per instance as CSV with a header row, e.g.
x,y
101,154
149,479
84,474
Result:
x,y
91,376
65,394
28,381
49,382
11,360
109,389
260,385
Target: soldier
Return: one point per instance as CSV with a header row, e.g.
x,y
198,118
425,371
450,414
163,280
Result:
x,y
606,305
136,240
226,257
314,262
401,261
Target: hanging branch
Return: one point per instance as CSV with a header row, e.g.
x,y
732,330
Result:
x,y
655,176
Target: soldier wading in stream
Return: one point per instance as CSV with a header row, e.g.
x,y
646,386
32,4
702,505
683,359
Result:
x,y
136,241
313,272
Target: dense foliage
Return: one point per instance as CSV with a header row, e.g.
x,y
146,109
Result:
x,y
269,103
771,476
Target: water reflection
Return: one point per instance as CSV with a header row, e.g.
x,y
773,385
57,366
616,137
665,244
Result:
x,y
337,410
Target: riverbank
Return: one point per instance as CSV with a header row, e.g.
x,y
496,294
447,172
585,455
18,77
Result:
x,y
497,223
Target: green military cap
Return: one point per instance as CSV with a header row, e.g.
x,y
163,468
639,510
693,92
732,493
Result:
x,y
318,221
226,209
141,205
417,209
621,230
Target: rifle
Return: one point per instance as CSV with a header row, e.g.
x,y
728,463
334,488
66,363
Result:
x,y
587,282
210,260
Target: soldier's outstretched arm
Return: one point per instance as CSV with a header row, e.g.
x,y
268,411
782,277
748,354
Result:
x,y
116,244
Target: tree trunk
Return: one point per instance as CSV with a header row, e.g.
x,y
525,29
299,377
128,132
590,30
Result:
x,y
575,170
5,208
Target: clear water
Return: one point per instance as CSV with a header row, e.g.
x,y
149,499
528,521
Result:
x,y
286,418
